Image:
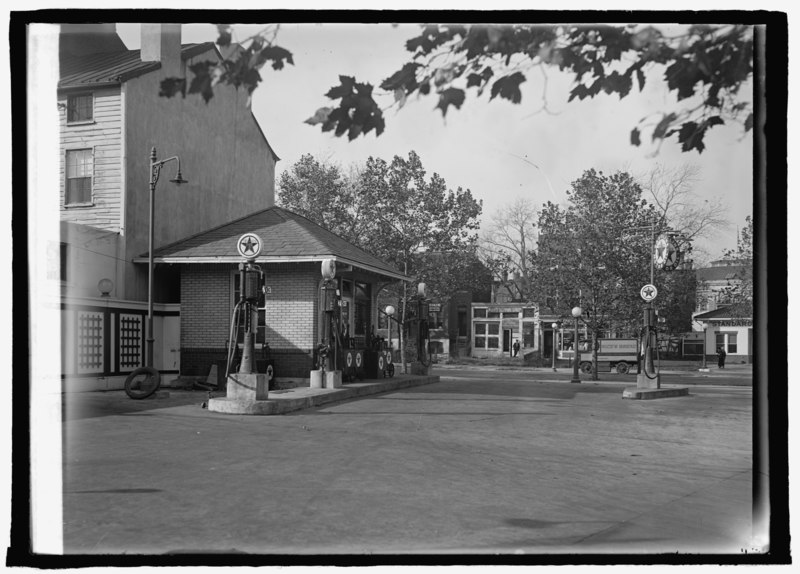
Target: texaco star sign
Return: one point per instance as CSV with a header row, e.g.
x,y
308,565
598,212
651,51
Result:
x,y
648,292
249,245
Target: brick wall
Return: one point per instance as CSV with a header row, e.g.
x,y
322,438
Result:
x,y
291,316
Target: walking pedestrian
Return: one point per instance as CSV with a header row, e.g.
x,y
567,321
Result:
x,y
721,358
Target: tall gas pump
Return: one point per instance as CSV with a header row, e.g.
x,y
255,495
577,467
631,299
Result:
x,y
423,328
330,349
245,380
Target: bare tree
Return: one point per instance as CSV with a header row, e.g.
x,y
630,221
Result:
x,y
671,192
508,240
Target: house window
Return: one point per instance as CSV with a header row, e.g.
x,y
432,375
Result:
x,y
727,341
80,108
79,177
732,343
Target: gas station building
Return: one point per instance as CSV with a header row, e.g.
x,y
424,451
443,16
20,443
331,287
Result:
x,y
290,320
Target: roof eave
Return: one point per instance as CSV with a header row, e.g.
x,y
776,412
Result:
x,y
268,259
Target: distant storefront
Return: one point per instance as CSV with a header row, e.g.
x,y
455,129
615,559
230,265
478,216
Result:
x,y
720,329
496,326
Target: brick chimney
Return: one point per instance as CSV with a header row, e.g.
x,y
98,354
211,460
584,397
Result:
x,y
162,43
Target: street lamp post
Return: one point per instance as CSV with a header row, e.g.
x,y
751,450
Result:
x,y
555,326
155,171
576,312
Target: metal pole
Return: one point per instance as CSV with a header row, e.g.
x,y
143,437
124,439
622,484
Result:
x,y
150,338
652,251
554,350
575,376
705,339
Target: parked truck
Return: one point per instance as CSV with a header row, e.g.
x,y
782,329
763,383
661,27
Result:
x,y
612,354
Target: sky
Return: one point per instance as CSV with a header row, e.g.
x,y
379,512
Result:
x,y
498,150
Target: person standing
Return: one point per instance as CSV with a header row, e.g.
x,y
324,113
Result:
x,y
721,358
516,347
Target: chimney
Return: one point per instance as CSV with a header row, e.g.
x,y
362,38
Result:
x,y
162,43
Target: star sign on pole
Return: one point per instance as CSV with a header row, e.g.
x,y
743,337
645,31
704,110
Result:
x,y
649,292
249,245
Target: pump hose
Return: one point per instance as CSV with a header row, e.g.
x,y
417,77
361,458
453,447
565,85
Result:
x,y
231,348
646,351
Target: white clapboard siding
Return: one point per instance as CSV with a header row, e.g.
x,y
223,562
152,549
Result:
x,y
104,137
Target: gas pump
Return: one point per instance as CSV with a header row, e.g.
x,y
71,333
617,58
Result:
x,y
245,312
423,328
329,351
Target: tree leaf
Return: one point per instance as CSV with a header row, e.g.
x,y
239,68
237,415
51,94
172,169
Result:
x,y
691,137
172,86
319,117
661,129
748,122
400,97
450,96
224,31
640,78
508,87
405,78
277,55
345,88
202,80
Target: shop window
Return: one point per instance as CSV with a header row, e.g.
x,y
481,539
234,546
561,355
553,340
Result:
x,y
479,313
692,348
493,343
480,328
493,314
480,342
528,312
80,108
79,168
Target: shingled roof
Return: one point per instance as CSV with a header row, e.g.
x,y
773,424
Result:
x,y
286,238
721,273
112,68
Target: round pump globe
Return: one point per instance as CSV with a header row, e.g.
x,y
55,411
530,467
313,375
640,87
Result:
x,y
390,310
577,312
555,325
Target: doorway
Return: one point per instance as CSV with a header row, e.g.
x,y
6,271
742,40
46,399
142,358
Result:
x,y
507,341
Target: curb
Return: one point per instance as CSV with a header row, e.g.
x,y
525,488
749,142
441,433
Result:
x,y
308,398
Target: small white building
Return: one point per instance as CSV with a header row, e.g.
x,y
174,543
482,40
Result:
x,y
724,328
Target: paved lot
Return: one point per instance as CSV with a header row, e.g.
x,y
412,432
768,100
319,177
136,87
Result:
x,y
480,462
